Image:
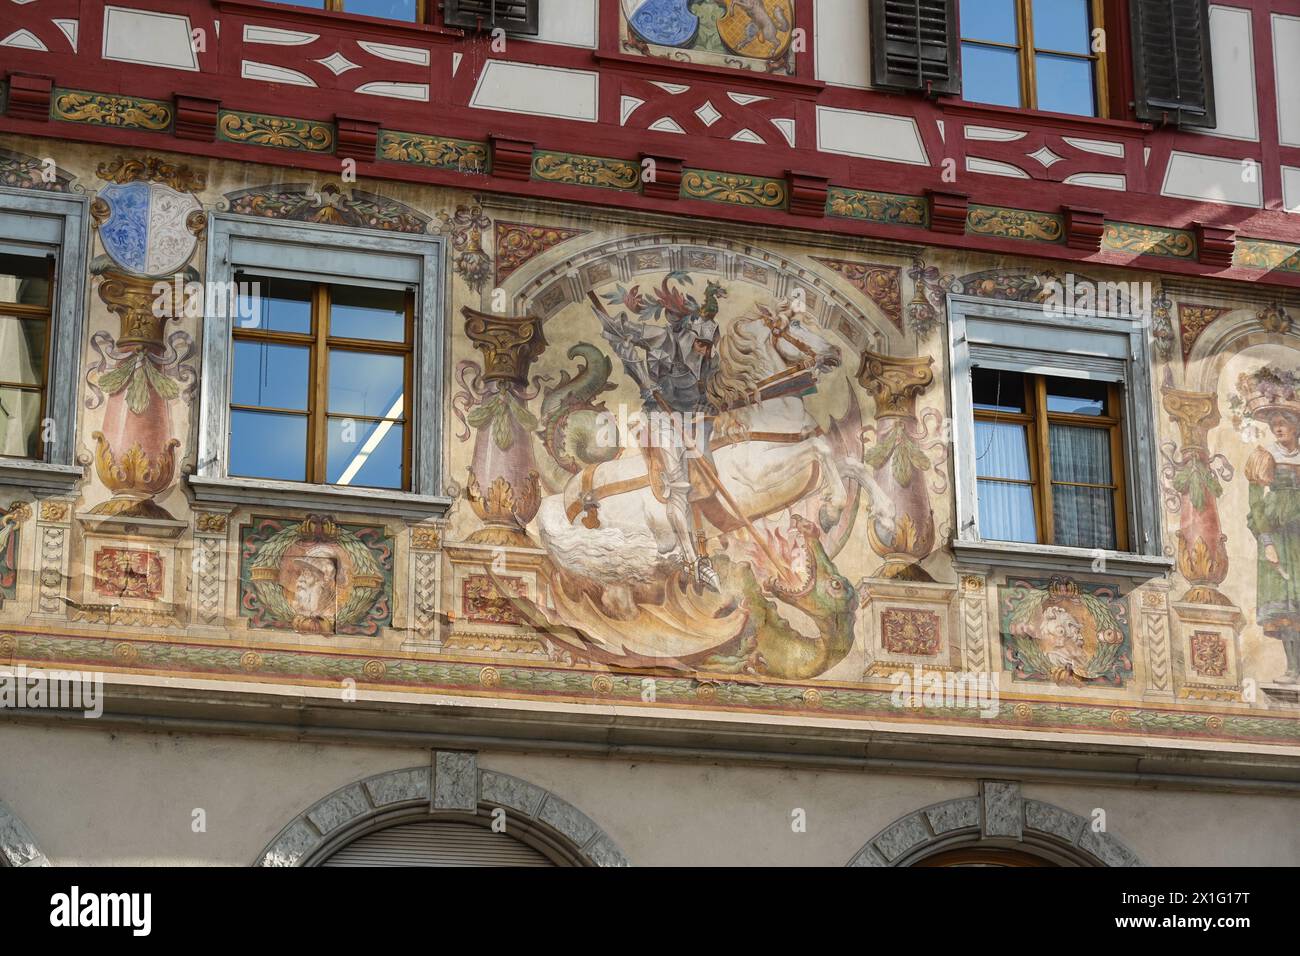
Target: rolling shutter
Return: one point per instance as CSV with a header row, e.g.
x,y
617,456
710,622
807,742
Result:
x,y
1171,61
513,16
914,45
437,843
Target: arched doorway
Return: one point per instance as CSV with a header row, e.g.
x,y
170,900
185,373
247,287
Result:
x,y
446,842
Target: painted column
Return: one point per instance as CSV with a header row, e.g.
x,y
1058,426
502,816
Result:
x,y
1193,477
504,486
899,458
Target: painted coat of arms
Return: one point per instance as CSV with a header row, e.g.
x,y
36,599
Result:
x,y
147,227
751,34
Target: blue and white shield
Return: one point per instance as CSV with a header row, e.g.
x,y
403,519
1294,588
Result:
x,y
666,22
146,232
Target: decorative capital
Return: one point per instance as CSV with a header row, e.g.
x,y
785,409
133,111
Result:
x,y
895,383
509,343
1195,413
1084,227
948,211
512,158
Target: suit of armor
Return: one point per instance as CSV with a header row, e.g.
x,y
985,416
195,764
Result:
x,y
673,363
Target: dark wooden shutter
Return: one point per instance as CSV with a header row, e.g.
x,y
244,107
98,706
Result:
x,y
914,45
513,16
1171,61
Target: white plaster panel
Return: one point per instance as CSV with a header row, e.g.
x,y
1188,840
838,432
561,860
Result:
x,y
841,42
537,90
1286,64
1291,188
570,23
884,136
148,37
1234,74
1213,178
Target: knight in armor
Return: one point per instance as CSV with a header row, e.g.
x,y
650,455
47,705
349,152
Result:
x,y
672,363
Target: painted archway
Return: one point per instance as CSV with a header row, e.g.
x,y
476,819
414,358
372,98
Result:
x,y
452,790
1000,824
17,844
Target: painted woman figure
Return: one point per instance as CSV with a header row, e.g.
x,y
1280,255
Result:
x,y
1273,471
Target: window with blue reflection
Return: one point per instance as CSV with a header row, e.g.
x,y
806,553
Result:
x,y
408,10
1030,53
320,375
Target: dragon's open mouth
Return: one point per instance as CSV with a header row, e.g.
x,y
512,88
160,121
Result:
x,y
802,574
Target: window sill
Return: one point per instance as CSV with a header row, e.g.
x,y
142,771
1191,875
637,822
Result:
x,y
1068,122
1042,557
40,477
292,494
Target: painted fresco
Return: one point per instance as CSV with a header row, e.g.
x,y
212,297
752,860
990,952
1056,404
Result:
x,y
709,460
741,34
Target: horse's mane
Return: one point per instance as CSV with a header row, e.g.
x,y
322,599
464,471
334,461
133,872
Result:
x,y
741,363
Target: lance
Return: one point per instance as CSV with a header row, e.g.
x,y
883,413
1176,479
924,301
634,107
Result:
x,y
706,469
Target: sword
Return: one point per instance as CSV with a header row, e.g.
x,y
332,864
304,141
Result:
x,y
706,469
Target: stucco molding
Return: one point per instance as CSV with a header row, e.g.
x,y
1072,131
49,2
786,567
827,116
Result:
x,y
452,787
998,816
17,843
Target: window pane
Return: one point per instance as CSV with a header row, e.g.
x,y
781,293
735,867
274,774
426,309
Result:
x,y
1062,25
990,75
24,280
1080,454
22,351
267,445
989,20
363,383
20,418
1001,450
365,453
1076,396
1083,517
997,391
389,9
1065,85
273,376
285,304
1006,511
375,314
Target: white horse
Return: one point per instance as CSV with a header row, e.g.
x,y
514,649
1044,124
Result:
x,y
769,454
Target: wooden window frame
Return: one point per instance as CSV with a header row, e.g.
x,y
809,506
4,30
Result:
x,y
1029,337
46,314
320,344
1026,53
1037,419
326,253
340,6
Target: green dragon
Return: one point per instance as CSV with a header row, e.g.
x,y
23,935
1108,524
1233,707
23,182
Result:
x,y
769,645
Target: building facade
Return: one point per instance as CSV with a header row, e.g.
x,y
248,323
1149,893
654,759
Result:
x,y
601,432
